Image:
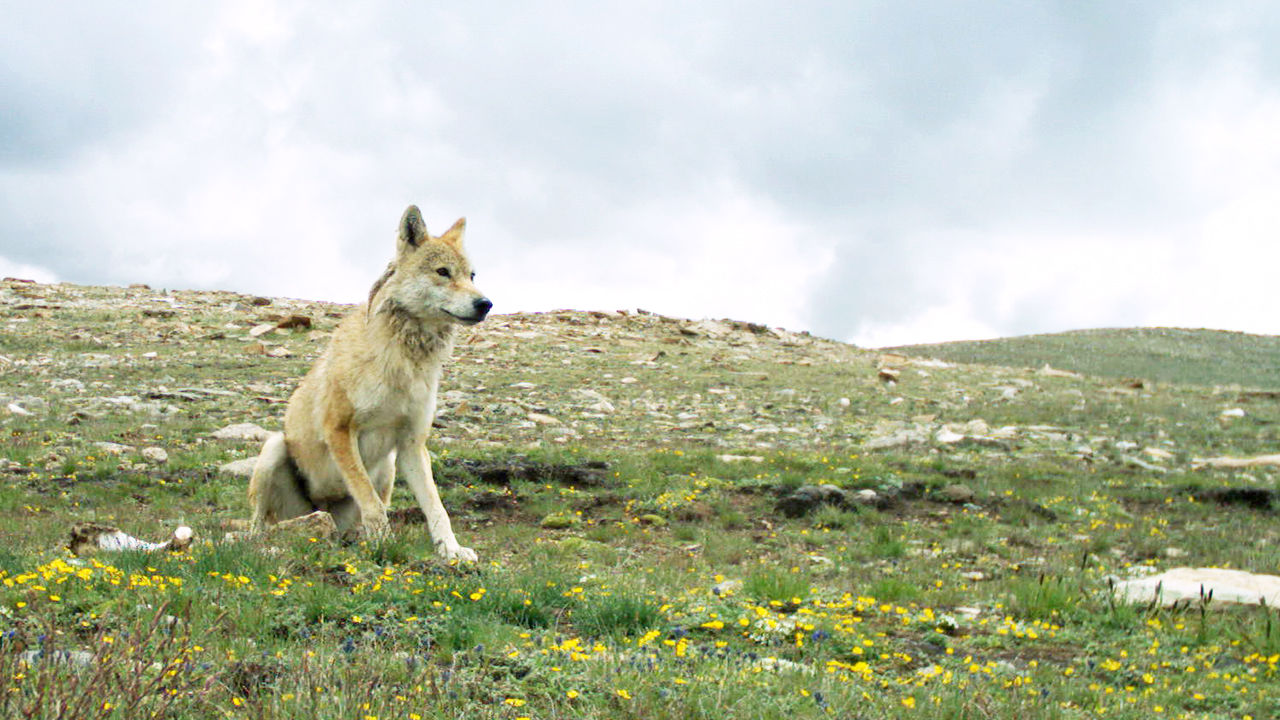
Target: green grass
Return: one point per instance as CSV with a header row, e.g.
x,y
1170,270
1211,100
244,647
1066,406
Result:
x,y
1175,355
998,608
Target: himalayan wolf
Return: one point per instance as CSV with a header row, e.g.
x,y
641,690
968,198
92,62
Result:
x,y
364,410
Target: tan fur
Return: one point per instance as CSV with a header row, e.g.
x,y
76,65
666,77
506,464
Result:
x,y
365,408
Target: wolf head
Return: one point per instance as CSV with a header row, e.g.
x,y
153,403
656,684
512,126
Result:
x,y
430,277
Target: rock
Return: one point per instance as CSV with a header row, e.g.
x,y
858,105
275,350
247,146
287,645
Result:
x,y
541,419
68,385
279,351
1190,584
1236,462
239,468
866,497
889,376
592,401
113,448
1047,371
807,498
726,587
523,385
155,455
1143,464
260,330
241,431
16,409
318,524
739,458
294,321
947,436
957,493
73,658
1231,413
901,438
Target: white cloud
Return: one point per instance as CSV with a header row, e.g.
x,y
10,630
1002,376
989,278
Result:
x,y
870,172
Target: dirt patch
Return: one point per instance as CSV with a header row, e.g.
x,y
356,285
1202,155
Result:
x,y
586,475
1254,498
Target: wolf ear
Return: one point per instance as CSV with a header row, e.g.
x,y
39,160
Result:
x,y
453,236
412,229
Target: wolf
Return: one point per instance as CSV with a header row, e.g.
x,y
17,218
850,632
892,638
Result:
x,y
364,410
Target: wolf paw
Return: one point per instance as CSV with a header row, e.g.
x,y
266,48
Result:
x,y
377,529
456,552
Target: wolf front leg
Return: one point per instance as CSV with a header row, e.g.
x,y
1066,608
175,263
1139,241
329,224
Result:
x,y
415,465
344,447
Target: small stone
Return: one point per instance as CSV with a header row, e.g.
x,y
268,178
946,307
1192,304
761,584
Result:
x,y
523,385
865,496
541,419
947,436
113,448
239,468
279,351
808,498
740,458
1231,413
957,493
155,455
241,431
260,330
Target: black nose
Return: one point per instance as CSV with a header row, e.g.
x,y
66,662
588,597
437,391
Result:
x,y
482,306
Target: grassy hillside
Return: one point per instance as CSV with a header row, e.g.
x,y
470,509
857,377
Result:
x,y
674,519
1203,357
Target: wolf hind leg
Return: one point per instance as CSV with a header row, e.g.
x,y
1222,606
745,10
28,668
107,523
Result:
x,y
274,492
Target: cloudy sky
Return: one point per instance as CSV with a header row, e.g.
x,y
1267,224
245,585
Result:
x,y
878,172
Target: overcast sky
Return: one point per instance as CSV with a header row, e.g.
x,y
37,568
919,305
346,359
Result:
x,y
878,172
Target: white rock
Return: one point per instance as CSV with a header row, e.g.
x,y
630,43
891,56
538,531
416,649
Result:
x,y
155,455
1231,413
68,385
16,409
239,468
947,436
1188,584
113,448
242,431
740,458
523,385
865,496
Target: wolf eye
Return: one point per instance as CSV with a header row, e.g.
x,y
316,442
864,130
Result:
x,y
443,272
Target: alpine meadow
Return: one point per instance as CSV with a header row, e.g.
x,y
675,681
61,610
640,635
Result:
x,y
673,518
